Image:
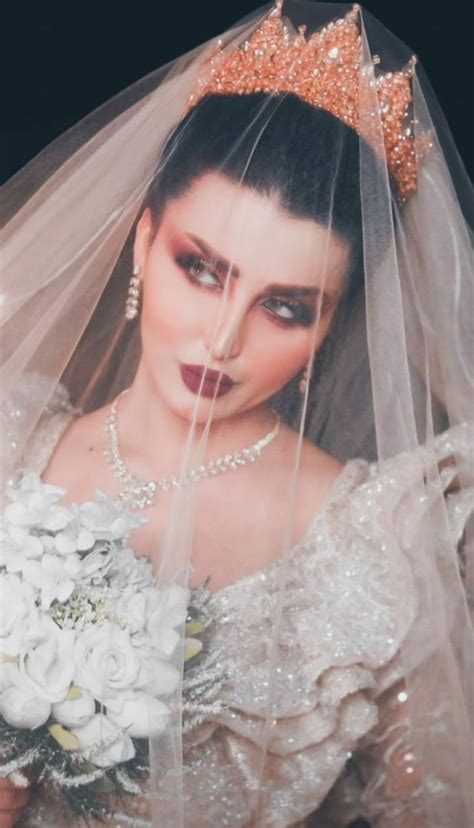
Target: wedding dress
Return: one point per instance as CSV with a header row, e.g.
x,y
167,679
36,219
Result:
x,y
340,671
276,226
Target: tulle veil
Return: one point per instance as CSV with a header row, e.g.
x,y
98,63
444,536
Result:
x,y
396,371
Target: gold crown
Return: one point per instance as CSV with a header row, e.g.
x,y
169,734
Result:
x,y
323,70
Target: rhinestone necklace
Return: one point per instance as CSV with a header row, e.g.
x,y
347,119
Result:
x,y
139,494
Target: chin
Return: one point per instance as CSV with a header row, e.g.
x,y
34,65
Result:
x,y
186,409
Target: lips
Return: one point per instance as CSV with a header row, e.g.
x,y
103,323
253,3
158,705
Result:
x,y
214,384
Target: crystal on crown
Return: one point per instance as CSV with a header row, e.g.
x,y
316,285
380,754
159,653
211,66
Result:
x,y
325,71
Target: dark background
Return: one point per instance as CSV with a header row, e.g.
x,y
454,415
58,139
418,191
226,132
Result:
x,y
61,61
64,60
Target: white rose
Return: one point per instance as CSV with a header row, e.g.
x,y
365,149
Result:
x,y
99,729
141,716
21,708
75,712
167,609
47,664
130,610
8,672
164,678
18,613
107,663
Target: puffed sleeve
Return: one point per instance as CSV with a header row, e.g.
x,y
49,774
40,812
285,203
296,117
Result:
x,y
390,778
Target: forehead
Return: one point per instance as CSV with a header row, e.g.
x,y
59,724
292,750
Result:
x,y
253,232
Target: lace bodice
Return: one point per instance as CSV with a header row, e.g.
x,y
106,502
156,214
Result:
x,y
339,647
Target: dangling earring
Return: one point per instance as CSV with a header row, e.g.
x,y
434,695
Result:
x,y
303,382
131,306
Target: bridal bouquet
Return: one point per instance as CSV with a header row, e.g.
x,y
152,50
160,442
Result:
x,y
86,645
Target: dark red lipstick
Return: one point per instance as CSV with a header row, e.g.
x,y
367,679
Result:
x,y
215,383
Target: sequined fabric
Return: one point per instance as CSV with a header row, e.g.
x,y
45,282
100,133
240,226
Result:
x,y
343,624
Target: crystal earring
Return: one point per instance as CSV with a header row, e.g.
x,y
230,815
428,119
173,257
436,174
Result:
x,y
303,382
131,306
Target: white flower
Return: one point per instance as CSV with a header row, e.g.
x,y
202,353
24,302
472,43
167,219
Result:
x,y
107,663
74,538
130,610
100,729
107,519
96,564
75,711
17,546
34,504
164,678
167,609
131,570
48,543
55,577
101,520
141,715
8,672
57,518
22,708
46,665
18,613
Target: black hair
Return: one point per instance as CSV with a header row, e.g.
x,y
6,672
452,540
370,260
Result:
x,y
276,145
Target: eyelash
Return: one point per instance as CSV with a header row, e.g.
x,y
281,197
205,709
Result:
x,y
303,314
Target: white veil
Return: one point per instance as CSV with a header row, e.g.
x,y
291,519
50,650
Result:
x,y
394,372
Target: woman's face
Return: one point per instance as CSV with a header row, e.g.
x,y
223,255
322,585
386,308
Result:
x,y
233,283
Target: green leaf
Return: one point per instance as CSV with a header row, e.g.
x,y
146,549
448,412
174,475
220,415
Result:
x,y
88,767
103,785
194,628
74,693
192,646
64,737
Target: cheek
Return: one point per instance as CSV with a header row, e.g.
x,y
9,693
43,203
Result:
x,y
168,311
278,355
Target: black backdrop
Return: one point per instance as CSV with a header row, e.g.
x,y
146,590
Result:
x,y
62,60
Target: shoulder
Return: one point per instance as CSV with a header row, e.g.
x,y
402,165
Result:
x,y
76,456
61,430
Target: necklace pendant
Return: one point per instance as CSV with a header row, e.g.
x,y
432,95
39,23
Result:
x,y
139,494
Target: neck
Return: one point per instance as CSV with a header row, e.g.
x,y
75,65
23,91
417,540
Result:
x,y
153,438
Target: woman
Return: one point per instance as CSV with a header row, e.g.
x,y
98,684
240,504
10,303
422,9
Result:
x,y
289,304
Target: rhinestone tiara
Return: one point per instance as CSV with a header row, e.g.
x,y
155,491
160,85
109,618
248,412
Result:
x,y
323,70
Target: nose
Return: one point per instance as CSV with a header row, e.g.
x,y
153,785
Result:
x,y
224,336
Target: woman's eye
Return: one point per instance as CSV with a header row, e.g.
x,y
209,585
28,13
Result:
x,y
198,270
282,310
291,313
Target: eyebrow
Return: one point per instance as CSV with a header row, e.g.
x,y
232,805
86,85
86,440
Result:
x,y
226,267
